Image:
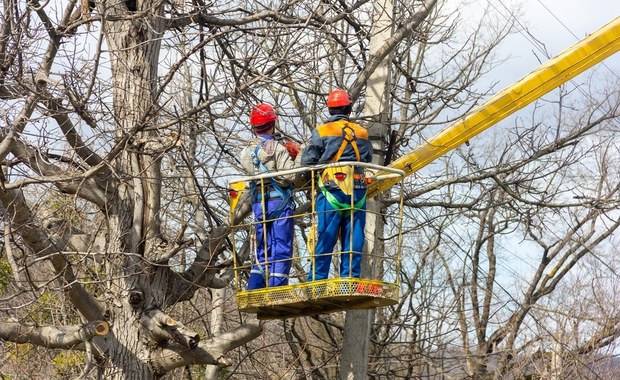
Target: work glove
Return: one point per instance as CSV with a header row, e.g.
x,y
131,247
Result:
x,y
293,149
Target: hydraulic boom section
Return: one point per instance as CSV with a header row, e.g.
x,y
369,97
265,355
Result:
x,y
571,62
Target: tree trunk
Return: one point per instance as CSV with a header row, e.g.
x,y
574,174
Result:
x,y
134,52
126,352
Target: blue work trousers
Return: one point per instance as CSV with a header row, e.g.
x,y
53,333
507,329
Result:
x,y
334,223
273,260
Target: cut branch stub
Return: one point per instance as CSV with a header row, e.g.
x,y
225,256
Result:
x,y
162,327
95,328
102,328
184,336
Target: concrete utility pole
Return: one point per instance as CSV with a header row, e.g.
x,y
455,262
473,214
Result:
x,y
358,323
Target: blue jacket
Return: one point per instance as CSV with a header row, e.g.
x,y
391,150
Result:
x,y
326,141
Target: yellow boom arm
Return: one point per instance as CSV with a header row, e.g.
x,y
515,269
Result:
x,y
558,70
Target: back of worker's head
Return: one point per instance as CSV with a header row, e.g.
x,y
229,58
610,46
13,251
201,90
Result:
x,y
339,102
263,119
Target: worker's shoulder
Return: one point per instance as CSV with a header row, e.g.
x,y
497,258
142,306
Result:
x,y
334,129
252,142
248,146
258,144
359,130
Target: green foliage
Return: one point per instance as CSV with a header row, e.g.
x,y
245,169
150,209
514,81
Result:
x,y
43,311
68,364
20,350
5,275
51,308
64,208
224,373
25,361
198,371
20,353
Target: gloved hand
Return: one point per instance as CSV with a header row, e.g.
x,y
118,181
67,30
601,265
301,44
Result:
x,y
293,149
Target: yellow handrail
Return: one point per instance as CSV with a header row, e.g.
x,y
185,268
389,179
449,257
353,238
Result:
x,y
558,70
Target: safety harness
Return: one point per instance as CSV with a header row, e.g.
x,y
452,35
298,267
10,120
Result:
x,y
284,194
343,176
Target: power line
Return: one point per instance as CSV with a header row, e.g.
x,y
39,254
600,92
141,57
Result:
x,y
538,45
572,33
558,20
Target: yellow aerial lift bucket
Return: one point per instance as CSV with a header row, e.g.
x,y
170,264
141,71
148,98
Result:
x,y
302,297
378,285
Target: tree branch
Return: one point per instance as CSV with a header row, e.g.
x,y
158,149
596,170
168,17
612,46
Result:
x,y
162,327
401,33
202,18
73,138
210,352
19,215
68,182
65,337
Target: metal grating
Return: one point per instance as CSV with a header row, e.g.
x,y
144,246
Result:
x,y
317,297
378,288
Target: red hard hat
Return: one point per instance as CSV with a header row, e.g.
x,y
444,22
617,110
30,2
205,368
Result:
x,y
338,98
261,114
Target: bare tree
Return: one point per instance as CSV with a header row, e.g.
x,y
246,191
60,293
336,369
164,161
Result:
x,y
122,122
122,109
499,288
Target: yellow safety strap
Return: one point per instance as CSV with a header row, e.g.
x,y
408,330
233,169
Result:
x,y
348,137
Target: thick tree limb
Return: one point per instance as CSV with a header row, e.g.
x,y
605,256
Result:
x,y
162,327
209,352
73,138
65,337
603,337
72,183
19,215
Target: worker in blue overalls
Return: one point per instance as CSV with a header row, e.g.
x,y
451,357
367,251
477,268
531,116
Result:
x,y
271,199
341,203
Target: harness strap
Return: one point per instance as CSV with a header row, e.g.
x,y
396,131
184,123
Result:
x,y
340,207
348,137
